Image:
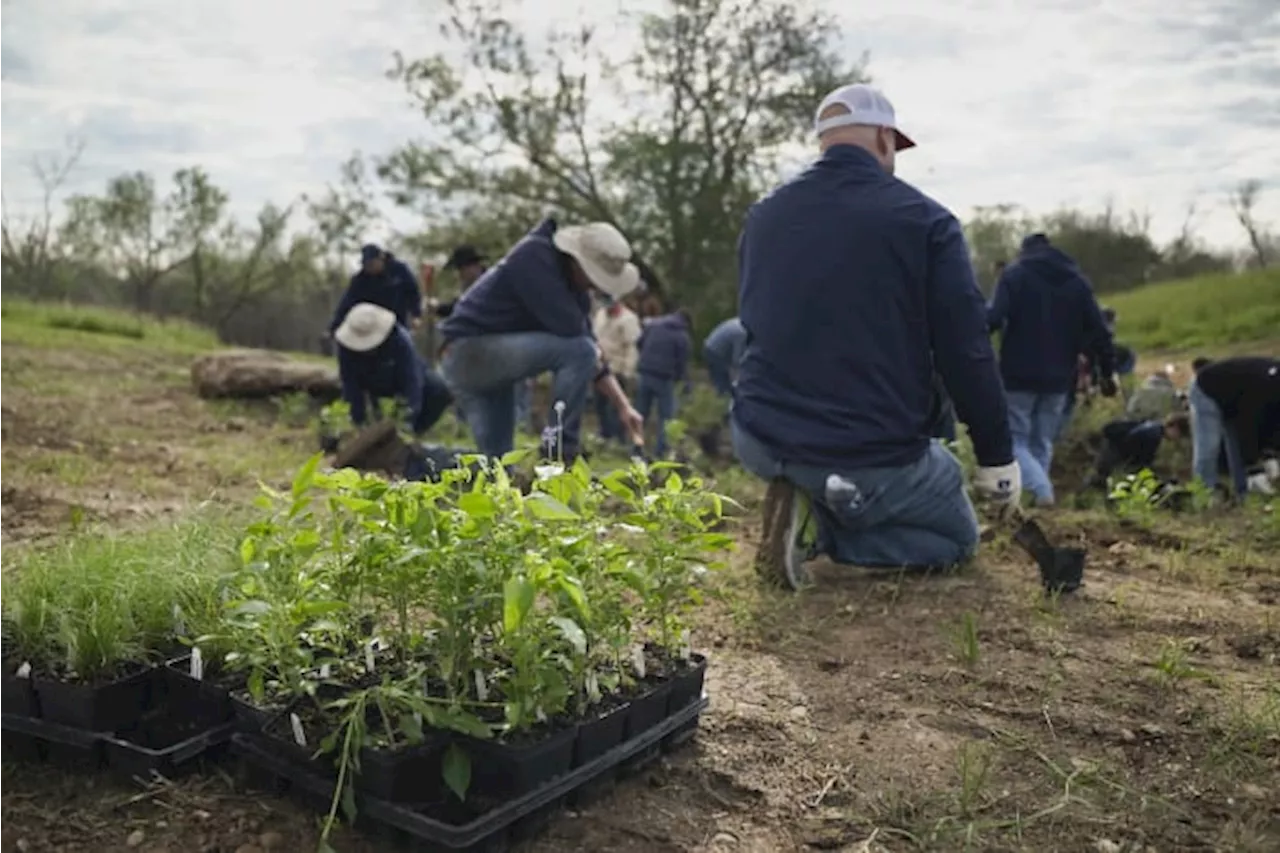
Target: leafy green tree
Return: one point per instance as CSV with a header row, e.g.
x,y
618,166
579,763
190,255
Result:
x,y
709,102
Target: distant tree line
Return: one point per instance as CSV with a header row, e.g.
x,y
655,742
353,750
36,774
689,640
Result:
x,y
717,92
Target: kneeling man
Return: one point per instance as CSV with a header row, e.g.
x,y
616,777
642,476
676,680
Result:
x,y
855,288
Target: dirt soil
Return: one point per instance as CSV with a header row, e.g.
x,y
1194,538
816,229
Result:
x,y
873,713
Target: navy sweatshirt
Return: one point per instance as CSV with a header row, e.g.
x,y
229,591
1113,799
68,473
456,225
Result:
x,y
393,369
1047,316
529,290
395,289
854,287
664,348
1136,442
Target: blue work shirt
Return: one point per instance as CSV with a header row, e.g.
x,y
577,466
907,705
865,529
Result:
x,y
393,369
529,290
395,289
854,288
727,341
664,348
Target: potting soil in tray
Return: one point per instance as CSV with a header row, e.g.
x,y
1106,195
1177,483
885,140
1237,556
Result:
x,y
502,770
489,831
96,707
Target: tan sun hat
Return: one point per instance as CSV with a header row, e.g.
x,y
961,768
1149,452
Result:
x,y
604,255
365,327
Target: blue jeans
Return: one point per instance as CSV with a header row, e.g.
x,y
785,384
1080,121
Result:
x,y
483,373
1034,421
1209,432
914,516
651,390
721,375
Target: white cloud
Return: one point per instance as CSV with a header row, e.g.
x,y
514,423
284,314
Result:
x,y
1043,102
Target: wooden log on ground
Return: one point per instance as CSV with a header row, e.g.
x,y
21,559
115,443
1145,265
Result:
x,y
252,374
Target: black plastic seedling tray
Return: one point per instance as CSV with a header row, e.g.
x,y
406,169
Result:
x,y
517,818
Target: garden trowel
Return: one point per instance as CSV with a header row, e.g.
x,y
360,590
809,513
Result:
x,y
1061,569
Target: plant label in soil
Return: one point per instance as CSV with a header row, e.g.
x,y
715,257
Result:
x,y
593,687
298,734
197,664
178,624
368,658
24,671
325,670
539,715
637,660
482,688
686,648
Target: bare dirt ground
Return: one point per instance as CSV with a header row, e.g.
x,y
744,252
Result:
x,y
874,713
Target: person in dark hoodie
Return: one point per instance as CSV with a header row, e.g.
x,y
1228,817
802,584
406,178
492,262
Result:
x,y
377,360
664,363
530,314
722,350
383,280
469,264
1047,316
1132,445
854,288
1235,406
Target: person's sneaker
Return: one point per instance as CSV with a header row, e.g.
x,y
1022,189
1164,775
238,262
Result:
x,y
789,536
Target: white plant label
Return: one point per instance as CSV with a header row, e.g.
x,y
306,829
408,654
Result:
x,y
539,716
637,660
686,649
368,658
482,686
298,734
417,718
593,687
178,623
325,670
197,664
24,671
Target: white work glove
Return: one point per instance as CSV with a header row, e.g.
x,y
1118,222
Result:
x,y
1000,486
1260,484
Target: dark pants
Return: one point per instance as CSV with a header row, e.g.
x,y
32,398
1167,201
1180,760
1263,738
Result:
x,y
607,414
653,390
435,400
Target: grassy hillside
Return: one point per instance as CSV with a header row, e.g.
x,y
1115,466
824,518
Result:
x,y
1213,311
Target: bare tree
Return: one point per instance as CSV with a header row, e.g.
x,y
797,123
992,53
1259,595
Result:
x,y
27,244
1243,202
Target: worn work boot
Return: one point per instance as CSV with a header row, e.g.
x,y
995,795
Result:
x,y
789,536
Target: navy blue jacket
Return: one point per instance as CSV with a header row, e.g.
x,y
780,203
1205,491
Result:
x,y
1136,442
393,369
727,342
854,288
529,290
1048,317
395,289
664,348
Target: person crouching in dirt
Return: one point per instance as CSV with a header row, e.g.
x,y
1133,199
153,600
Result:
x,y
529,315
382,280
847,312
1235,407
722,351
1046,313
1130,446
377,359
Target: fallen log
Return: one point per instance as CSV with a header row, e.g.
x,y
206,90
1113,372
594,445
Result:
x,y
251,374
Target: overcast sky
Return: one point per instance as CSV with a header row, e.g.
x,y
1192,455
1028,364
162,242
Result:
x,y
1150,103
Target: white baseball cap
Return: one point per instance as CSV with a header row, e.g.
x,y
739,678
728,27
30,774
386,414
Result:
x,y
365,327
866,105
604,255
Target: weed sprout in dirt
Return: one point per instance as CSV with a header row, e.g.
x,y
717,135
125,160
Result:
x,y
461,626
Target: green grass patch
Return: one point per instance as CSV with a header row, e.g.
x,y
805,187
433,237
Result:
x,y
60,324
1210,311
